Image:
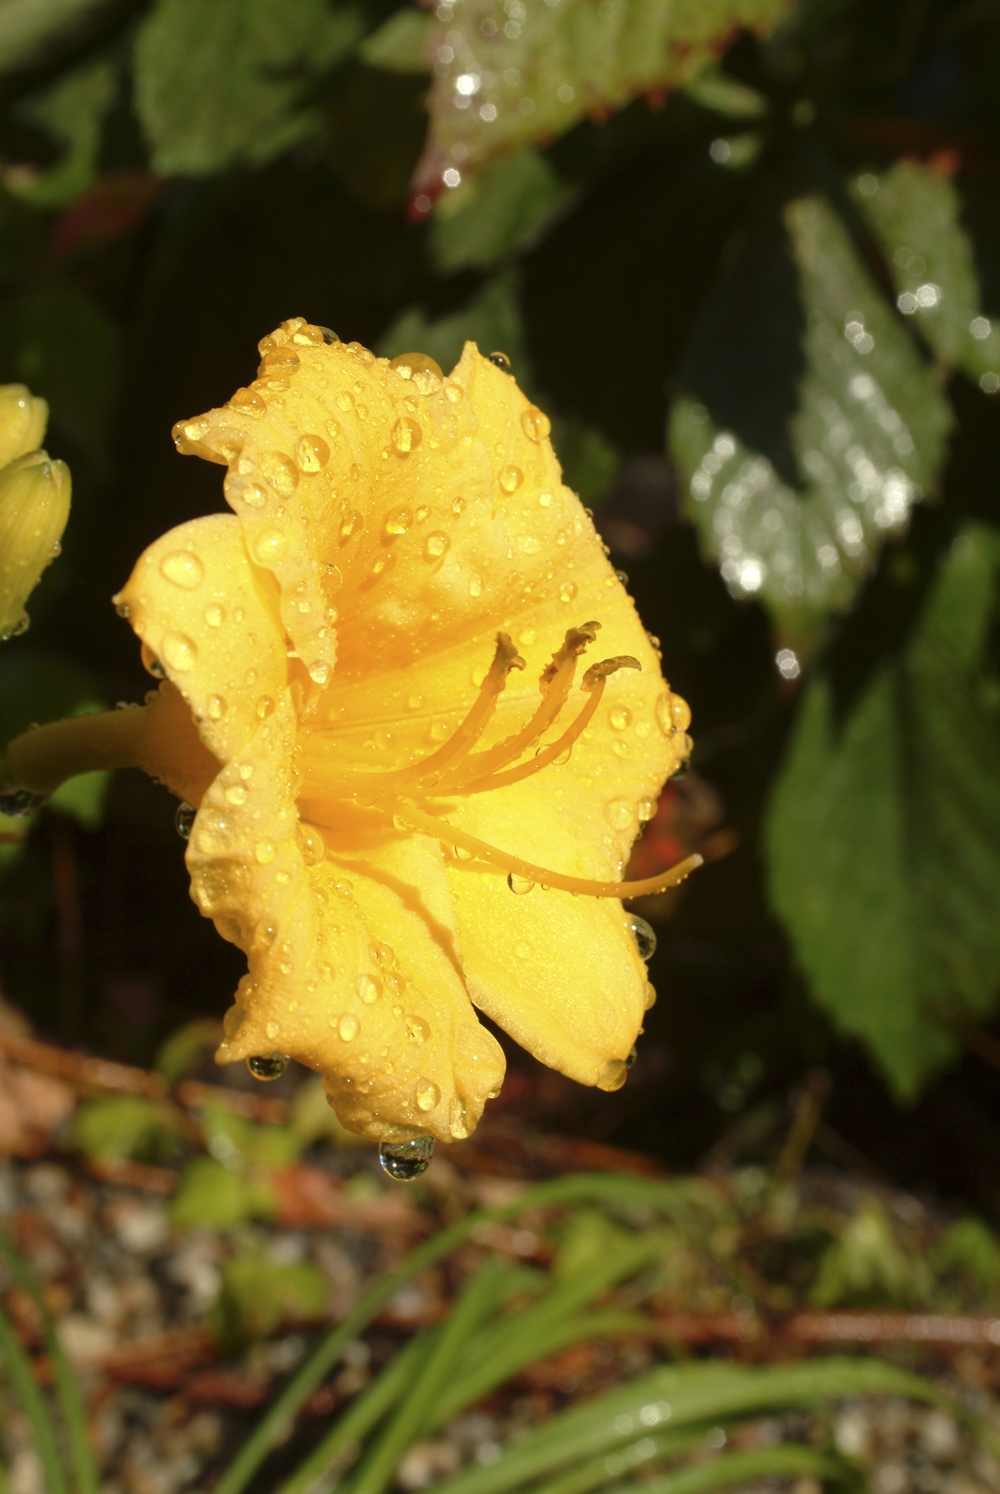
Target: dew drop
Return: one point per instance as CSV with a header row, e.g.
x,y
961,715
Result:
x,y
475,586
620,747
528,544
215,615
180,653
216,707
567,591
458,507
417,1029
511,479
367,989
633,1054
270,546
527,637
329,336
428,1095
613,1075
463,854
644,935
215,833
535,424
350,523
399,521
406,1160
236,794
281,359
645,809
501,361
458,1123
345,400
311,453
348,1027
545,499
183,568
519,884
268,1065
383,955
250,403
183,819
436,545
406,435
311,844
265,707
620,717
242,490
620,814
265,852
648,996
680,713
319,672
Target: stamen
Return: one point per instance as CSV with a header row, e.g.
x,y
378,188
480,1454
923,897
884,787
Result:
x,y
438,829
456,749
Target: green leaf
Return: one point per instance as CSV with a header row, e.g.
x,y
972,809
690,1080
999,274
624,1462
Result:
x,y
400,45
237,1141
73,112
504,211
916,213
223,84
883,831
26,26
971,1251
808,425
867,1267
211,1195
258,1292
184,1049
714,90
62,345
126,1126
503,79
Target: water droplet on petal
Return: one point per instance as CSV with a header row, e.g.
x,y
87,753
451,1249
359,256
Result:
x,y
417,1029
329,336
236,794
268,1065
179,652
458,1123
215,615
367,989
645,809
428,1095
511,479
463,854
475,586
436,545
535,424
620,717
249,403
265,852
567,591
184,819
265,707
406,435
680,713
620,814
406,1160
311,844
501,361
319,672
633,1054
545,498
644,935
183,568
349,525
278,468
519,884
270,546
528,544
311,453
348,1027
216,707
399,521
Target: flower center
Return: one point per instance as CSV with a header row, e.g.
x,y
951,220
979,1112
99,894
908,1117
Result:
x,y
405,797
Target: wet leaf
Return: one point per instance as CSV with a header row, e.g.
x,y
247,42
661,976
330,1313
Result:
x,y
884,830
221,85
505,76
808,425
916,212
26,26
505,210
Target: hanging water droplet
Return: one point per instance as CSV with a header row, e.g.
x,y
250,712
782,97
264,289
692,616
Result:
x,y
633,1054
501,361
184,819
622,576
268,1065
406,1160
519,884
648,996
613,1075
18,803
646,809
151,663
644,935
681,771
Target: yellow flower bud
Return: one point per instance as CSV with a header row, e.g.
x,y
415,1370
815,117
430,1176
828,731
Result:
x,y
23,418
34,507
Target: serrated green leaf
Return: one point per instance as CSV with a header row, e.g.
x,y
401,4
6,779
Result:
x,y
223,84
808,425
400,45
503,211
505,77
883,831
916,213
27,25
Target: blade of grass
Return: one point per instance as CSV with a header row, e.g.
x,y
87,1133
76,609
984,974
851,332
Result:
x,y
477,1297
528,1347
81,1456
681,1394
608,1188
595,1474
786,1460
33,1405
363,1413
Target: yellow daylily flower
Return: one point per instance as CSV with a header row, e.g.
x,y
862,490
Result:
x,y
413,799
34,503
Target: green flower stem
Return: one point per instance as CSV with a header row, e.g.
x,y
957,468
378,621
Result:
x,y
42,759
